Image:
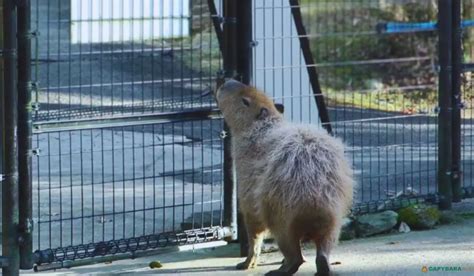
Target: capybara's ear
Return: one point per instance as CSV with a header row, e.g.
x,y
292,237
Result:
x,y
263,113
280,107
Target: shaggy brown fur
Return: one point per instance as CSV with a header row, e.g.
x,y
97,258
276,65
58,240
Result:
x,y
293,180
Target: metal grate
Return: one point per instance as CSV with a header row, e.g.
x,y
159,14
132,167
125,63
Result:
x,y
132,185
379,86
467,131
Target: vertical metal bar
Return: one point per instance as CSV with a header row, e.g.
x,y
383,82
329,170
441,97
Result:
x,y
8,47
237,37
25,134
244,40
216,23
244,69
229,64
445,106
456,98
310,64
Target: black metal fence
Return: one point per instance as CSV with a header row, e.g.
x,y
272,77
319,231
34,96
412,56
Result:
x,y
126,151
128,154
379,86
467,92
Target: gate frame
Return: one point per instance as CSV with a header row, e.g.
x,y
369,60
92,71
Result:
x,y
449,100
25,88
8,103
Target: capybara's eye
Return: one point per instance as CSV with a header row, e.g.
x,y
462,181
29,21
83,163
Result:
x,y
246,102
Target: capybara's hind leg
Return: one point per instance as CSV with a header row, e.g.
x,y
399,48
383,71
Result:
x,y
323,247
255,236
290,247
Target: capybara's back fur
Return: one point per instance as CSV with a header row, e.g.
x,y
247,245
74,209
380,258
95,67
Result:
x,y
303,169
293,179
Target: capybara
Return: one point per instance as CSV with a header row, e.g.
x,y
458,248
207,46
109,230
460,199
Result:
x,y
293,179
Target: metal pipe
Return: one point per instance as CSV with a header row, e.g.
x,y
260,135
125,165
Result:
x,y
445,104
244,68
309,60
230,71
216,23
10,246
456,99
25,135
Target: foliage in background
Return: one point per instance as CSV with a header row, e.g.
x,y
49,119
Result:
x,y
348,34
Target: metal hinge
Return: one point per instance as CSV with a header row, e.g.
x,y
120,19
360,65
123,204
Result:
x,y
223,134
35,152
455,174
8,53
35,106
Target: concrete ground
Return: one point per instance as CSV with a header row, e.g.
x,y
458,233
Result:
x,y
86,187
394,254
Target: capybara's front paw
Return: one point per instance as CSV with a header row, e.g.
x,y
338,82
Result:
x,y
245,265
277,273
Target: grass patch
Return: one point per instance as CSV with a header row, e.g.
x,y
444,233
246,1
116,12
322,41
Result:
x,y
415,103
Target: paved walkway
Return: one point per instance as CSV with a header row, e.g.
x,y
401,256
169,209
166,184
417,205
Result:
x,y
397,254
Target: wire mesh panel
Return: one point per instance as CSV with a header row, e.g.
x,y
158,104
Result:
x,y
127,153
99,58
379,85
467,91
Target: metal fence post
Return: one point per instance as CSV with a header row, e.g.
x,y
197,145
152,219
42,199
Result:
x,y
310,64
244,69
237,52
230,71
24,134
457,104
10,216
445,104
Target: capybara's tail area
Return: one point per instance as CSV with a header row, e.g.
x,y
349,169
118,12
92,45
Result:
x,y
317,225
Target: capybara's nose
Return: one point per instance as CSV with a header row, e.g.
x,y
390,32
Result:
x,y
232,86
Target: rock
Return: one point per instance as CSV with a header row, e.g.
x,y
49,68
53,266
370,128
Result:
x,y
449,217
348,231
269,247
420,216
375,84
371,224
403,228
155,264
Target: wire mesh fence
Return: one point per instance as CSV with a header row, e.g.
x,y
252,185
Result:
x,y
380,87
127,148
467,101
116,167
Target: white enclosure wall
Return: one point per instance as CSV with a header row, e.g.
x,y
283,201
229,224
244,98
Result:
x,y
279,67
95,21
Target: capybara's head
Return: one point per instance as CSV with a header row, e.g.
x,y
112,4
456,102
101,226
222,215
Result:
x,y
243,105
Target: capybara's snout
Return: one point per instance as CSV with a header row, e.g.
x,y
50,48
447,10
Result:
x,y
229,87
